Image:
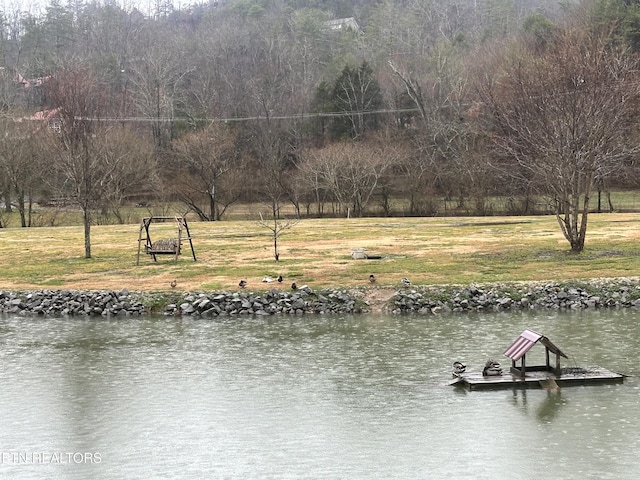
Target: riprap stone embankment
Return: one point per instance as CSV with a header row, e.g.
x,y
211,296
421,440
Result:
x,y
600,293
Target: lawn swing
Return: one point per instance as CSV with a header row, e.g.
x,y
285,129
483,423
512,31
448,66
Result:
x,y
164,246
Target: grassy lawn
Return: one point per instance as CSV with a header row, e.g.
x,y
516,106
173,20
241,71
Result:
x,y
317,252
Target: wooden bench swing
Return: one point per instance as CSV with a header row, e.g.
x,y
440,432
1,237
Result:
x,y
164,246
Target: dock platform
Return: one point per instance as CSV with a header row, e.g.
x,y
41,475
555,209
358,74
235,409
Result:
x,y
569,376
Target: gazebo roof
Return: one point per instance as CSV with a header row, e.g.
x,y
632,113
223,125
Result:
x,y
525,341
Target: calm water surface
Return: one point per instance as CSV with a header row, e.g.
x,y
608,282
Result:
x,y
353,397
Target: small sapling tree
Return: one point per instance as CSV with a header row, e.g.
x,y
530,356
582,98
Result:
x,y
276,226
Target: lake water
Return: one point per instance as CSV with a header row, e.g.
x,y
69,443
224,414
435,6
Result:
x,y
353,397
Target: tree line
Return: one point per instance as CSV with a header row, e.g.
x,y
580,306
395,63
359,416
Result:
x,y
332,107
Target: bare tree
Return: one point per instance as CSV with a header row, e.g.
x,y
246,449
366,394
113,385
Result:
x,y
351,171
76,95
307,185
93,160
131,167
272,148
155,81
276,226
22,165
207,164
563,118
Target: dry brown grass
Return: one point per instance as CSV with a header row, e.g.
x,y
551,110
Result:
x,y
318,253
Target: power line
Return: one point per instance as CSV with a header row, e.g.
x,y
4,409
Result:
x,y
300,116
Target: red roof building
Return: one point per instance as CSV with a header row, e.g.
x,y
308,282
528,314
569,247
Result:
x,y
519,348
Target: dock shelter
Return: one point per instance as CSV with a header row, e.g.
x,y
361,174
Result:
x,y
519,348
549,376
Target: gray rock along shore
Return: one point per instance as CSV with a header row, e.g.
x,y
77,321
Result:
x,y
599,293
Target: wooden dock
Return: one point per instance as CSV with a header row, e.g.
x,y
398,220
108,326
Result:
x,y
569,377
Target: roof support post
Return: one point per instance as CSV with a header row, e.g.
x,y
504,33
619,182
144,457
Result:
x,y
546,353
514,368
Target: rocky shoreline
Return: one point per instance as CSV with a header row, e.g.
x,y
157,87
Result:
x,y
125,303
598,293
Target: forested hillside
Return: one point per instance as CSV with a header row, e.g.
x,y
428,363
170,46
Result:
x,y
405,107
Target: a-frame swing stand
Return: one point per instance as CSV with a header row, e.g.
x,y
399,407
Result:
x,y
164,246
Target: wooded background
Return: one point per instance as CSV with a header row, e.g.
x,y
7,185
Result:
x,y
414,107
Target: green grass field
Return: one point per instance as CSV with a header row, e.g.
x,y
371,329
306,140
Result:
x,y
428,251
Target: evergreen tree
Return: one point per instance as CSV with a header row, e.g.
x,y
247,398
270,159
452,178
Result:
x,y
355,96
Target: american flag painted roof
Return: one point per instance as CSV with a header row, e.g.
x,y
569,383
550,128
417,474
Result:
x,y
525,341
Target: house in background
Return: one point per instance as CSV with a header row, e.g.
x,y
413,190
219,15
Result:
x,y
50,117
344,24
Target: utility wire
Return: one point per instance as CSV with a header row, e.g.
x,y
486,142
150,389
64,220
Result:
x,y
229,119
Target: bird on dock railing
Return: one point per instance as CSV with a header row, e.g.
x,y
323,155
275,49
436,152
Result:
x,y
458,368
242,284
492,369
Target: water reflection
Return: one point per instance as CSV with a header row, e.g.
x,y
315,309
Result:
x,y
550,407
311,397
544,409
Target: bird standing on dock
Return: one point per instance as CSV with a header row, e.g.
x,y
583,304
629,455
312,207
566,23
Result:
x,y
372,278
458,368
243,283
492,369
405,282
